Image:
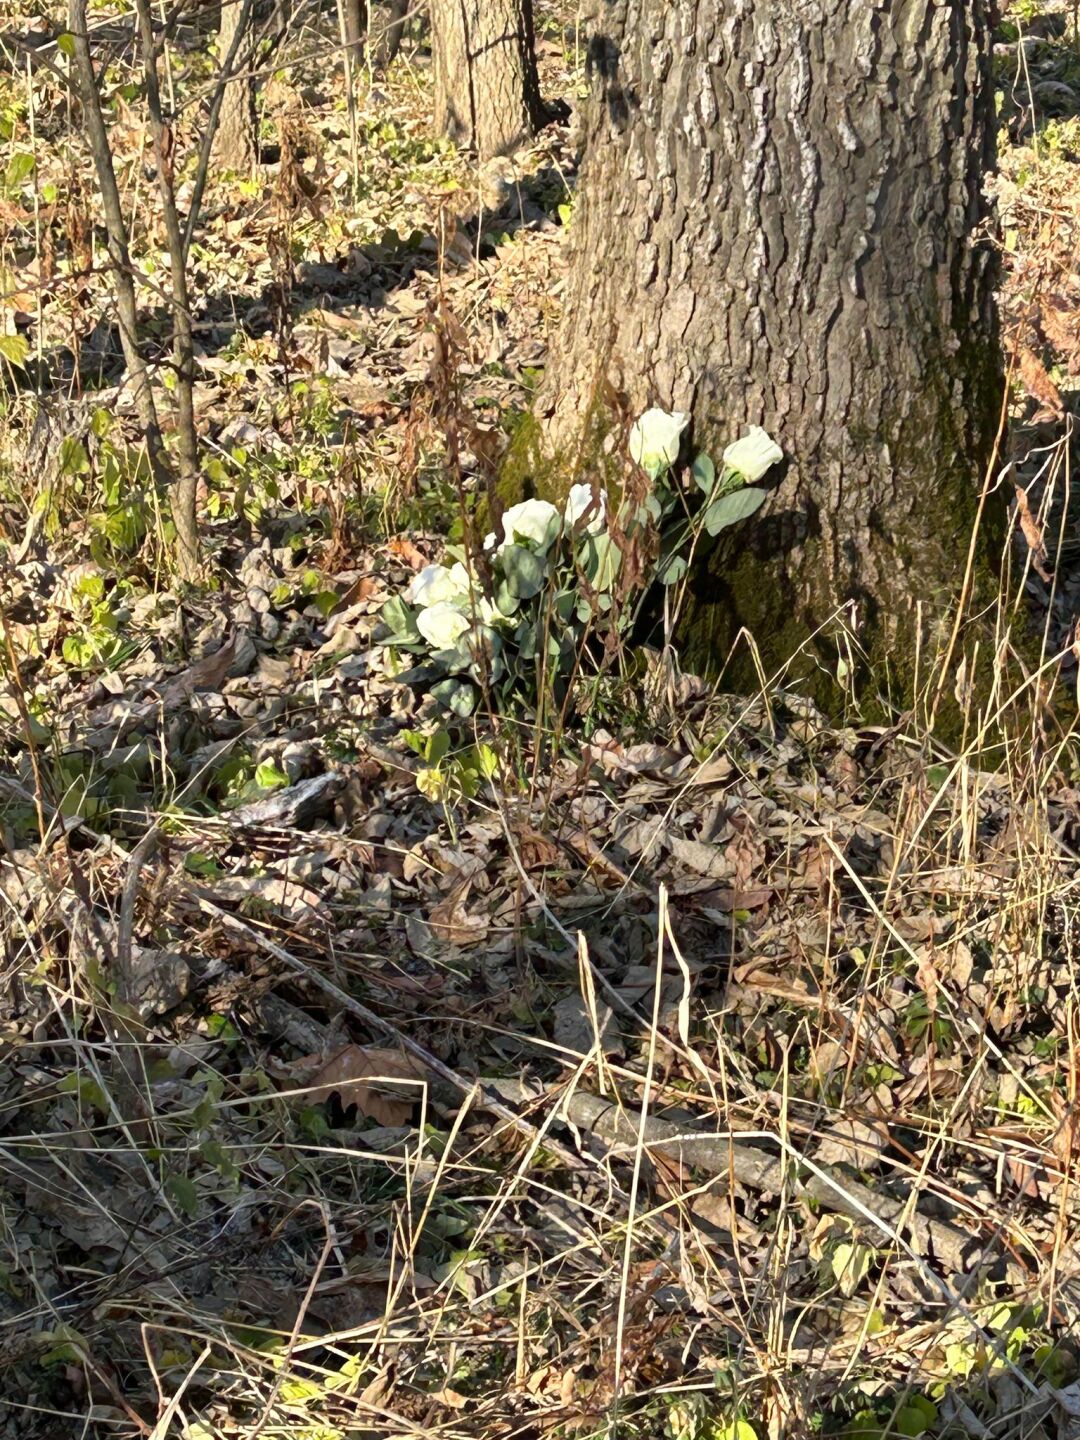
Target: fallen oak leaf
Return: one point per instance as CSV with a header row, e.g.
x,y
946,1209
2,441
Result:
x,y
205,674
536,851
383,1084
451,923
404,549
362,588
1037,382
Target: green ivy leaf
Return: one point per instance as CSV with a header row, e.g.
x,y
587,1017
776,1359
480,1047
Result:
x,y
197,862
850,1262
20,167
601,559
458,696
487,761
269,777
438,746
73,457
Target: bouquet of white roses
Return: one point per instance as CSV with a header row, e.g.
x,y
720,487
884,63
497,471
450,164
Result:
x,y
526,626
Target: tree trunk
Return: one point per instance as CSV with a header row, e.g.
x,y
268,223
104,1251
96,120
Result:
x,y
235,146
387,24
780,223
487,93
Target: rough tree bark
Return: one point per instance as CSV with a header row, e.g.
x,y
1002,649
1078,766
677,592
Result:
x,y
235,143
779,222
487,92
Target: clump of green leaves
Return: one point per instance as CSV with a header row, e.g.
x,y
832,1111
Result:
x,y
448,776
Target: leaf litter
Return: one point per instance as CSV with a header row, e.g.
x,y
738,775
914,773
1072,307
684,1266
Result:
x,y
830,1097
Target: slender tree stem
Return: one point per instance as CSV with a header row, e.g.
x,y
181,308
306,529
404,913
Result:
x,y
117,243
186,486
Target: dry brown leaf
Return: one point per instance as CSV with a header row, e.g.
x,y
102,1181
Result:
x,y
1032,534
724,900
1037,382
779,985
404,549
746,858
301,904
362,588
363,1076
205,674
451,922
1060,323
453,1399
537,852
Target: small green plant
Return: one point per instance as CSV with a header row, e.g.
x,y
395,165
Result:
x,y
448,778
844,1259
926,1026
95,642
239,780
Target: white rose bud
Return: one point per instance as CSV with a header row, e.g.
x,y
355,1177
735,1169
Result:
x,y
577,504
655,439
442,626
436,584
537,522
753,454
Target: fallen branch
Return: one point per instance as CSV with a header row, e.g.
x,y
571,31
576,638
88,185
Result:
x,y
756,1169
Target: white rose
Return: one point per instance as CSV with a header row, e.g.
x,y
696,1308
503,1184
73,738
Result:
x,y
441,625
535,521
579,501
489,540
753,454
435,584
487,612
655,439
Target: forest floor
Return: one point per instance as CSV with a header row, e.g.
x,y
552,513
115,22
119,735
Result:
x,y
710,1070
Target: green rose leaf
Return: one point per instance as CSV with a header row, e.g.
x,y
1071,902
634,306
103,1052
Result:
x,y
14,348
730,509
916,1416
524,570
458,696
704,473
671,568
400,620
600,559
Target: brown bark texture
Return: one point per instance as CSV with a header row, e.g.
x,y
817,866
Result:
x,y
487,92
235,146
780,222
